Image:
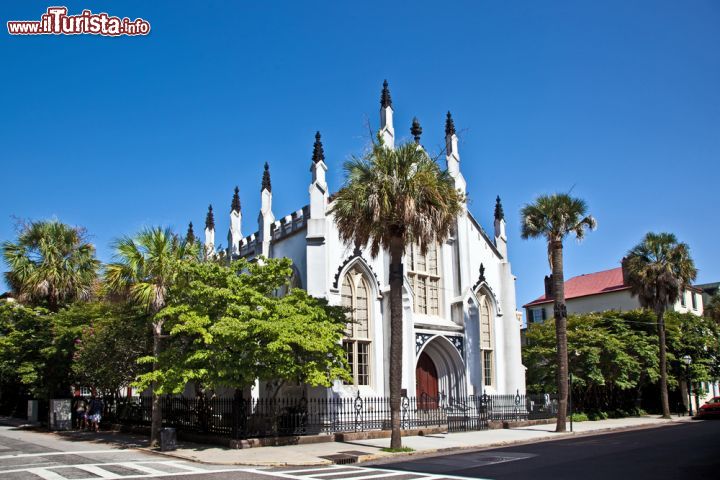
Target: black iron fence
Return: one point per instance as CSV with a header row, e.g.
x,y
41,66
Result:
x,y
249,418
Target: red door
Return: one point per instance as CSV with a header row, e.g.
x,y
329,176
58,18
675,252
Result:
x,y
426,381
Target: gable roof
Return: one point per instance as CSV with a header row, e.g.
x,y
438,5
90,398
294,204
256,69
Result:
x,y
589,284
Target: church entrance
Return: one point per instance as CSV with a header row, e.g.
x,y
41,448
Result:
x,y
426,381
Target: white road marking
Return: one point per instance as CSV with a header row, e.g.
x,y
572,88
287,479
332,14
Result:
x,y
319,467
42,473
75,452
371,473
379,474
95,470
185,466
140,468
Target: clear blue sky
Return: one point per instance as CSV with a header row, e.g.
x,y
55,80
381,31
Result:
x,y
620,98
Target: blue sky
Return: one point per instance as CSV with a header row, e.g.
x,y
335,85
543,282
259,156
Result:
x,y
616,100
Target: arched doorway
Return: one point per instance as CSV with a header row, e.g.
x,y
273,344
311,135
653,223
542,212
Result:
x,y
426,382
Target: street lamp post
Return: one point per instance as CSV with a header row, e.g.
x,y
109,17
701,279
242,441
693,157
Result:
x,y
571,405
687,360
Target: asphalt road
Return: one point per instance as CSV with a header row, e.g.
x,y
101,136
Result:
x,y
688,450
676,452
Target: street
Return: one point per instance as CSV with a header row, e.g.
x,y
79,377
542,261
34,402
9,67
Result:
x,y
683,451
680,451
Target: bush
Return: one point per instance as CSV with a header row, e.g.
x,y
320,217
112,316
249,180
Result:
x,y
579,417
597,415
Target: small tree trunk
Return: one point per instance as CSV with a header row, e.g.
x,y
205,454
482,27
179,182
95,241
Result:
x,y
396,339
560,312
156,421
663,364
52,300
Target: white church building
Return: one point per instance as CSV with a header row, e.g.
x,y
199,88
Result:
x,y
461,324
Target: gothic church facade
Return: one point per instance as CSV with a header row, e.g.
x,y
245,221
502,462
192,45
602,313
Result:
x,y
461,326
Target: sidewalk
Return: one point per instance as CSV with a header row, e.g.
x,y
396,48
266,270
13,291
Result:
x,y
364,450
369,450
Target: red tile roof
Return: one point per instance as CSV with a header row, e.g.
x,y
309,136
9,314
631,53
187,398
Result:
x,y
589,284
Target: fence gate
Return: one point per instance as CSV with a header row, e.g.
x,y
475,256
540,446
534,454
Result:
x,y
467,415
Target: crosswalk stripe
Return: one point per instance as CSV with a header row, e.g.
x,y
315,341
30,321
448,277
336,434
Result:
x,y
75,452
140,468
350,470
186,467
319,467
379,474
44,473
95,470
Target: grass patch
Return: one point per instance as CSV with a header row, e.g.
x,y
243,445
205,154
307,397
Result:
x,y
397,450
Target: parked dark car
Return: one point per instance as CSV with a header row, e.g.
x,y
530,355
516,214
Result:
x,y
710,409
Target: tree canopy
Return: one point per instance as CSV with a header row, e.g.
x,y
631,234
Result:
x,y
227,328
51,264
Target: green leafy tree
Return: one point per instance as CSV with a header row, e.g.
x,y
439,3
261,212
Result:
x,y
227,328
611,359
712,309
25,332
658,269
698,337
50,264
554,217
393,198
109,347
36,347
145,267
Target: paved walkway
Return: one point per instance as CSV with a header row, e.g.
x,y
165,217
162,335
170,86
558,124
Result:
x,y
366,450
312,454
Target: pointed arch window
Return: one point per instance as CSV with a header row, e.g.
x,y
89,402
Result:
x,y
424,276
486,342
355,294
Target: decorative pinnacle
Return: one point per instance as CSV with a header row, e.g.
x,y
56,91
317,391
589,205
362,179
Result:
x,y
416,130
210,219
318,152
385,99
235,205
190,235
449,125
499,214
266,179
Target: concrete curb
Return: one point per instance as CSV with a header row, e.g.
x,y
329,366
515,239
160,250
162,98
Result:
x,y
392,457
383,457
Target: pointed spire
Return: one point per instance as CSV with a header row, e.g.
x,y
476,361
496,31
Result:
x,y
499,214
385,98
449,125
235,205
210,219
416,130
318,152
266,179
190,235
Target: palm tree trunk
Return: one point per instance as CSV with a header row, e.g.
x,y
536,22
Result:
x,y
663,364
396,338
52,300
156,420
560,311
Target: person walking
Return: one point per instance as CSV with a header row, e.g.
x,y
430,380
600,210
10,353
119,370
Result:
x,y
95,412
80,407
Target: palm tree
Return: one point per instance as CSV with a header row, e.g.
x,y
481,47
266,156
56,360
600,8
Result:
x,y
51,263
657,270
554,217
390,200
145,267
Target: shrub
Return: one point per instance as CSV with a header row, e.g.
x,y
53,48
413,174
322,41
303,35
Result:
x,y
579,417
